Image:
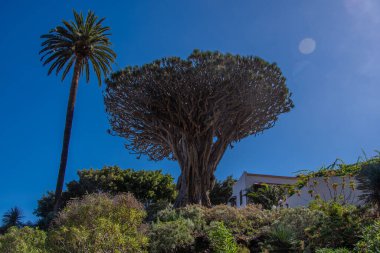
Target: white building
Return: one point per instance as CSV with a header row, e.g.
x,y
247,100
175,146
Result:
x,y
343,189
246,180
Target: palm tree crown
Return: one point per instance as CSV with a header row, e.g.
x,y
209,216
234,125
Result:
x,y
84,41
12,218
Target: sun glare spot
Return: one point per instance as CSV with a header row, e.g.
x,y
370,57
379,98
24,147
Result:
x,y
307,46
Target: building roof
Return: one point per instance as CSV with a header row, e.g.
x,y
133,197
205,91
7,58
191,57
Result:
x,y
271,176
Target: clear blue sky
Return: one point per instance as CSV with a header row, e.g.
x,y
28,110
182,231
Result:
x,y
335,87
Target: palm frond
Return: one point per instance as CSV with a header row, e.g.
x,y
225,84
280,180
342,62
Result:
x,y
12,218
83,40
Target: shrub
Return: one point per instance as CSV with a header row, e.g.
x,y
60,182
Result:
x,y
168,214
266,195
244,223
222,191
243,249
329,250
339,226
370,242
221,239
99,223
149,187
281,239
298,220
369,182
196,214
171,236
23,240
155,208
12,218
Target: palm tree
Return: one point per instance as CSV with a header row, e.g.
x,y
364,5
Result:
x,y
266,195
12,218
79,43
369,182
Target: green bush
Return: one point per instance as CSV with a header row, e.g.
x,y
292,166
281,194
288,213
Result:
x,y
23,240
338,227
221,239
298,220
154,209
171,236
196,214
244,223
149,187
266,195
370,242
369,182
192,212
289,228
168,214
243,249
281,238
329,250
99,223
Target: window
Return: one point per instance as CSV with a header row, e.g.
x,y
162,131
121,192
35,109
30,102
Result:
x,y
233,201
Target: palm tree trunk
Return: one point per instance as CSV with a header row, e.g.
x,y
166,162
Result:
x,y
67,134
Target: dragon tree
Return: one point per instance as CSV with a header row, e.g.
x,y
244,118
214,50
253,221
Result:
x,y
191,110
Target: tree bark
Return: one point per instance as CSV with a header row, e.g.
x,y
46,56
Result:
x,y
67,134
194,188
196,157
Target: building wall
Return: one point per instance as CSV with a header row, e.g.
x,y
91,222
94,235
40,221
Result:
x,y
237,188
345,191
344,186
247,180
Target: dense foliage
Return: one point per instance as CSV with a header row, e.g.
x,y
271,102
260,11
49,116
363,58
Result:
x,y
369,182
149,187
221,239
12,218
99,223
289,230
222,191
171,236
330,250
23,240
268,196
338,227
370,242
116,223
342,180
339,169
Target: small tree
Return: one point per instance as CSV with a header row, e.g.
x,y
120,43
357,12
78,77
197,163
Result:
x,y
12,218
266,195
369,182
221,239
222,191
192,110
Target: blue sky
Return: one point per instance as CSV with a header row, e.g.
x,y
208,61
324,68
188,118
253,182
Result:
x,y
335,88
